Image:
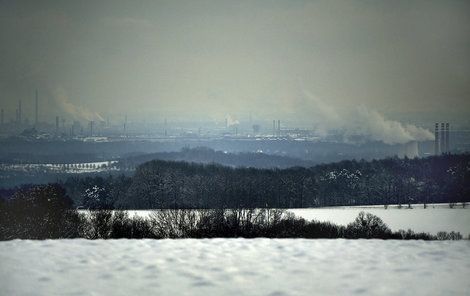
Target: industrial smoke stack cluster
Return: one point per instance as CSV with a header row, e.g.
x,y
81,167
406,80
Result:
x,y
441,138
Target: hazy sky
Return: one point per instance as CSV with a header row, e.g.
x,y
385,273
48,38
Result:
x,y
207,59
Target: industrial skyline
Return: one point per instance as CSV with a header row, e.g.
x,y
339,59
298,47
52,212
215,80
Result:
x,y
337,71
186,60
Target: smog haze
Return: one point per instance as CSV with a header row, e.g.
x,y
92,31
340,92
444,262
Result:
x,y
295,60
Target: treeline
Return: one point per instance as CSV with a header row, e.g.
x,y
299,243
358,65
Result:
x,y
45,212
162,184
10,178
206,155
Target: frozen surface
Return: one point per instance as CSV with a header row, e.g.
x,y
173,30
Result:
x,y
234,267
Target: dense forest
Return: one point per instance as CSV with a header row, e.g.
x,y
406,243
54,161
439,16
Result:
x,y
165,184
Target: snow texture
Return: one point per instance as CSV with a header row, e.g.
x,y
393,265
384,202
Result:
x,y
234,267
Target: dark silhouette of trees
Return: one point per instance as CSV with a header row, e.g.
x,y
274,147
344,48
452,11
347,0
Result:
x,y
163,184
45,213
367,225
38,213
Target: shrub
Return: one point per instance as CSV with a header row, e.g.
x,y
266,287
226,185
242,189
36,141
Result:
x,y
409,234
99,224
442,235
367,225
121,226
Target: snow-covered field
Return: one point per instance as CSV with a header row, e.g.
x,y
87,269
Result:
x,y
418,219
234,267
435,218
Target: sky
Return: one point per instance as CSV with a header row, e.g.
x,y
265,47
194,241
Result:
x,y
294,60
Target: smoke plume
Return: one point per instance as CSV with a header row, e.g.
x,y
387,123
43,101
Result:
x,y
363,123
76,112
231,120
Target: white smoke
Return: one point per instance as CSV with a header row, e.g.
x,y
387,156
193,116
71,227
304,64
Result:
x,y
231,121
364,123
76,112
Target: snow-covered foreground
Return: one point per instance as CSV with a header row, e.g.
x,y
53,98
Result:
x,y
234,267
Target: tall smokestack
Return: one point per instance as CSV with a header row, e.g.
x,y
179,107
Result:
x,y
447,137
166,133
278,128
91,128
443,138
2,119
436,139
36,109
125,124
19,112
57,125
274,128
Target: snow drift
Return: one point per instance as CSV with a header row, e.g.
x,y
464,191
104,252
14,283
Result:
x,y
234,267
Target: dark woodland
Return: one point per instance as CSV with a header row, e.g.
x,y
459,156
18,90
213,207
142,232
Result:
x,y
165,184
46,212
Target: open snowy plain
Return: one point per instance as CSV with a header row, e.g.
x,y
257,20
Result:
x,y
234,267
434,218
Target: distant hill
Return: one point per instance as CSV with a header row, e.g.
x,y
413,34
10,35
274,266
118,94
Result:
x,y
206,155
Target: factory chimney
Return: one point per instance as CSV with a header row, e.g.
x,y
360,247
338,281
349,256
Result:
x,y
2,119
166,133
36,110
91,128
125,124
278,128
274,128
436,139
19,112
57,125
447,137
443,138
